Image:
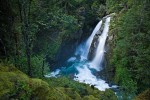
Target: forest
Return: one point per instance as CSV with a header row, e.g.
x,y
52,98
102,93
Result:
x,y
39,36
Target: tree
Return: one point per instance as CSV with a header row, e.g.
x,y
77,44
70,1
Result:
x,y
24,7
131,47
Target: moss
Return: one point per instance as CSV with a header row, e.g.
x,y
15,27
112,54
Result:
x,y
90,97
58,94
106,95
5,84
109,94
40,89
71,87
144,95
16,85
70,92
9,77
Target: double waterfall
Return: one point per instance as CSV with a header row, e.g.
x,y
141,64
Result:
x,y
79,67
83,49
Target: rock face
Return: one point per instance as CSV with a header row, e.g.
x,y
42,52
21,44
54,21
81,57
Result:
x,y
108,71
93,47
95,42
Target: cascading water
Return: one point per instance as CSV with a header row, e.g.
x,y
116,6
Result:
x,y
83,49
83,70
100,49
85,74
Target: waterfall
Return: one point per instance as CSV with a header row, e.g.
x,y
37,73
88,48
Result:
x,y
83,49
85,74
100,49
82,70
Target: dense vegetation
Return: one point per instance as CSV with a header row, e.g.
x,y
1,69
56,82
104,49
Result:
x,y
37,35
131,50
35,31
16,85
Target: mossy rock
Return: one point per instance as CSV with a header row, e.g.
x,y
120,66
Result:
x,y
144,95
108,95
104,95
16,85
40,89
9,77
70,92
58,94
90,97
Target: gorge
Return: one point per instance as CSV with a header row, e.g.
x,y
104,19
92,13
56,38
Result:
x,y
80,68
53,49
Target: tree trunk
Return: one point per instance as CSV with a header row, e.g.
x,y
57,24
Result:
x,y
24,6
43,68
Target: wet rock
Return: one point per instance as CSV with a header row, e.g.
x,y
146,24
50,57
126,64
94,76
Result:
x,y
93,47
109,70
95,42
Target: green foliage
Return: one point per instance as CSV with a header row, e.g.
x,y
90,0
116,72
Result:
x,y
11,82
131,44
61,22
145,95
128,86
22,90
41,27
83,90
90,97
65,82
69,27
37,63
99,8
16,85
